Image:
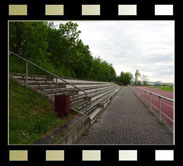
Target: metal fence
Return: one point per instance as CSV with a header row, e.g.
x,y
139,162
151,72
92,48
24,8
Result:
x,y
27,62
161,105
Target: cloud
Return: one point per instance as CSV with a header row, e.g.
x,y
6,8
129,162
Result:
x,y
129,45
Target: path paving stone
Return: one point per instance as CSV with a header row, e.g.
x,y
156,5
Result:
x,y
127,121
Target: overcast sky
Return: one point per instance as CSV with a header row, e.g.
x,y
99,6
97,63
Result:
x,y
129,45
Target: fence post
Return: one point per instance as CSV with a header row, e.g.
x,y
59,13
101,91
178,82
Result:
x,y
145,98
142,95
160,107
151,101
27,68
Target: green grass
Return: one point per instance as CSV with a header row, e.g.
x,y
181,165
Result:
x,y
166,88
31,116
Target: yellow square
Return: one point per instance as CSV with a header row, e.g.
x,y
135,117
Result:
x,y
18,155
91,155
54,155
54,9
17,10
90,9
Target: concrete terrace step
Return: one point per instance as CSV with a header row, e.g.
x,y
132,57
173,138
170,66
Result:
x,y
98,93
80,101
39,79
72,81
106,98
23,76
94,102
73,96
78,82
63,93
87,89
89,92
92,97
60,90
95,93
94,114
80,104
91,87
90,108
72,102
49,86
95,89
88,86
41,83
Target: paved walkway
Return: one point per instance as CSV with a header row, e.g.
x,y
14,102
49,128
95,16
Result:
x,y
127,121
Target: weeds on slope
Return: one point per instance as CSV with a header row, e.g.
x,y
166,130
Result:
x,y
31,116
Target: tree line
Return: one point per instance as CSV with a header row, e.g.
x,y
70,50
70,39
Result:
x,y
58,50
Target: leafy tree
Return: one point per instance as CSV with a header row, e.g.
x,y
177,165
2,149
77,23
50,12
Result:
x,y
125,78
137,75
16,36
58,50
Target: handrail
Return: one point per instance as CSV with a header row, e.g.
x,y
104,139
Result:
x,y
156,94
57,77
151,104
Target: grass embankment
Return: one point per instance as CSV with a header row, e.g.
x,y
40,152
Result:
x,y
166,88
31,116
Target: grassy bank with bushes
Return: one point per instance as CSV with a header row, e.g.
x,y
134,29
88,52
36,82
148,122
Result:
x,y
31,116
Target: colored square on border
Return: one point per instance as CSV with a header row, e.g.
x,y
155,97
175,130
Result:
x,y
54,155
164,155
91,155
18,155
127,10
90,10
127,155
54,10
17,10
163,10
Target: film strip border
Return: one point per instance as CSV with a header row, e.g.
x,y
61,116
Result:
x,y
88,155
23,156
91,9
